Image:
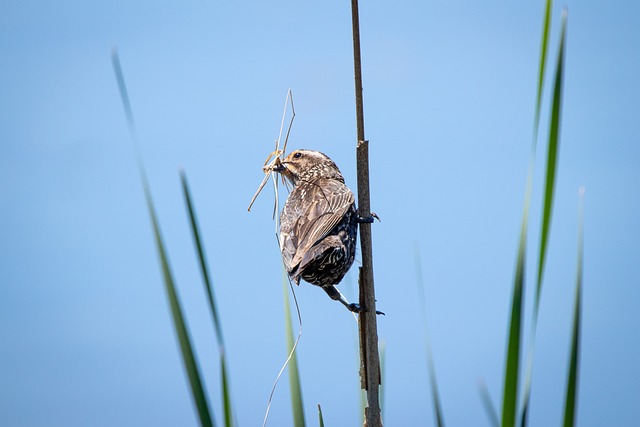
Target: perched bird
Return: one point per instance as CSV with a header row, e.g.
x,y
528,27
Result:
x,y
318,224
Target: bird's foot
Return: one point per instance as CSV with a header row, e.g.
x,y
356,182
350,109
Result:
x,y
367,220
354,307
357,309
351,306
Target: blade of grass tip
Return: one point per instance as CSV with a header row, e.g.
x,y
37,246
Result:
x,y
320,419
294,375
195,231
197,391
489,408
543,245
124,94
552,155
572,380
541,70
128,111
541,74
437,405
552,161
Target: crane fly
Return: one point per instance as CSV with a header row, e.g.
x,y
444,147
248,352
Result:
x,y
274,159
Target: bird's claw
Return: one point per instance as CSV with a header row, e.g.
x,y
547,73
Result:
x,y
356,308
367,220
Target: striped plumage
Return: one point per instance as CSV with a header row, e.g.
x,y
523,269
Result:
x,y
318,224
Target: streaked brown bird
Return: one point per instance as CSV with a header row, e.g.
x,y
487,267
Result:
x,y
318,224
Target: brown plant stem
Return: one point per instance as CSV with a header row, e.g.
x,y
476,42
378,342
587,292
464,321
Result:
x,y
369,357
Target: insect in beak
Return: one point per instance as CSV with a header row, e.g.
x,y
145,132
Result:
x,y
274,160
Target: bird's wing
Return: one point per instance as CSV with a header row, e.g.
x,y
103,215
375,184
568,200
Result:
x,y
310,213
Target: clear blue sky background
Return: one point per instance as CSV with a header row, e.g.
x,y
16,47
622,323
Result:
x,y
85,331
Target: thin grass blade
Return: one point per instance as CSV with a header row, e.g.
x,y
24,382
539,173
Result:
x,y
206,276
489,407
511,377
294,375
229,419
544,43
549,190
572,380
548,198
552,156
124,94
197,390
320,419
437,405
193,373
204,268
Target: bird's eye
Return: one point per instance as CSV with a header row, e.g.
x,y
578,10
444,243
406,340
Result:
x,y
297,155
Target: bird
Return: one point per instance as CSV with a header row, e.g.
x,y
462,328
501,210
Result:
x,y
318,223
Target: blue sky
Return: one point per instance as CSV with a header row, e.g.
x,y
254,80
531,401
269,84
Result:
x,y
449,103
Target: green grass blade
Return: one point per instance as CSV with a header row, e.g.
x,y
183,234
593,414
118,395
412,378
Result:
x,y
572,380
197,390
437,405
489,408
193,373
195,231
511,380
320,419
227,406
434,392
548,199
549,190
294,375
124,94
552,157
511,377
543,62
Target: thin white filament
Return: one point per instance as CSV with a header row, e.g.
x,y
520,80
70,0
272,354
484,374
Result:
x,y
291,353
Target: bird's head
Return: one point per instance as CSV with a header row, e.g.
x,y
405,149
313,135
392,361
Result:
x,y
308,165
